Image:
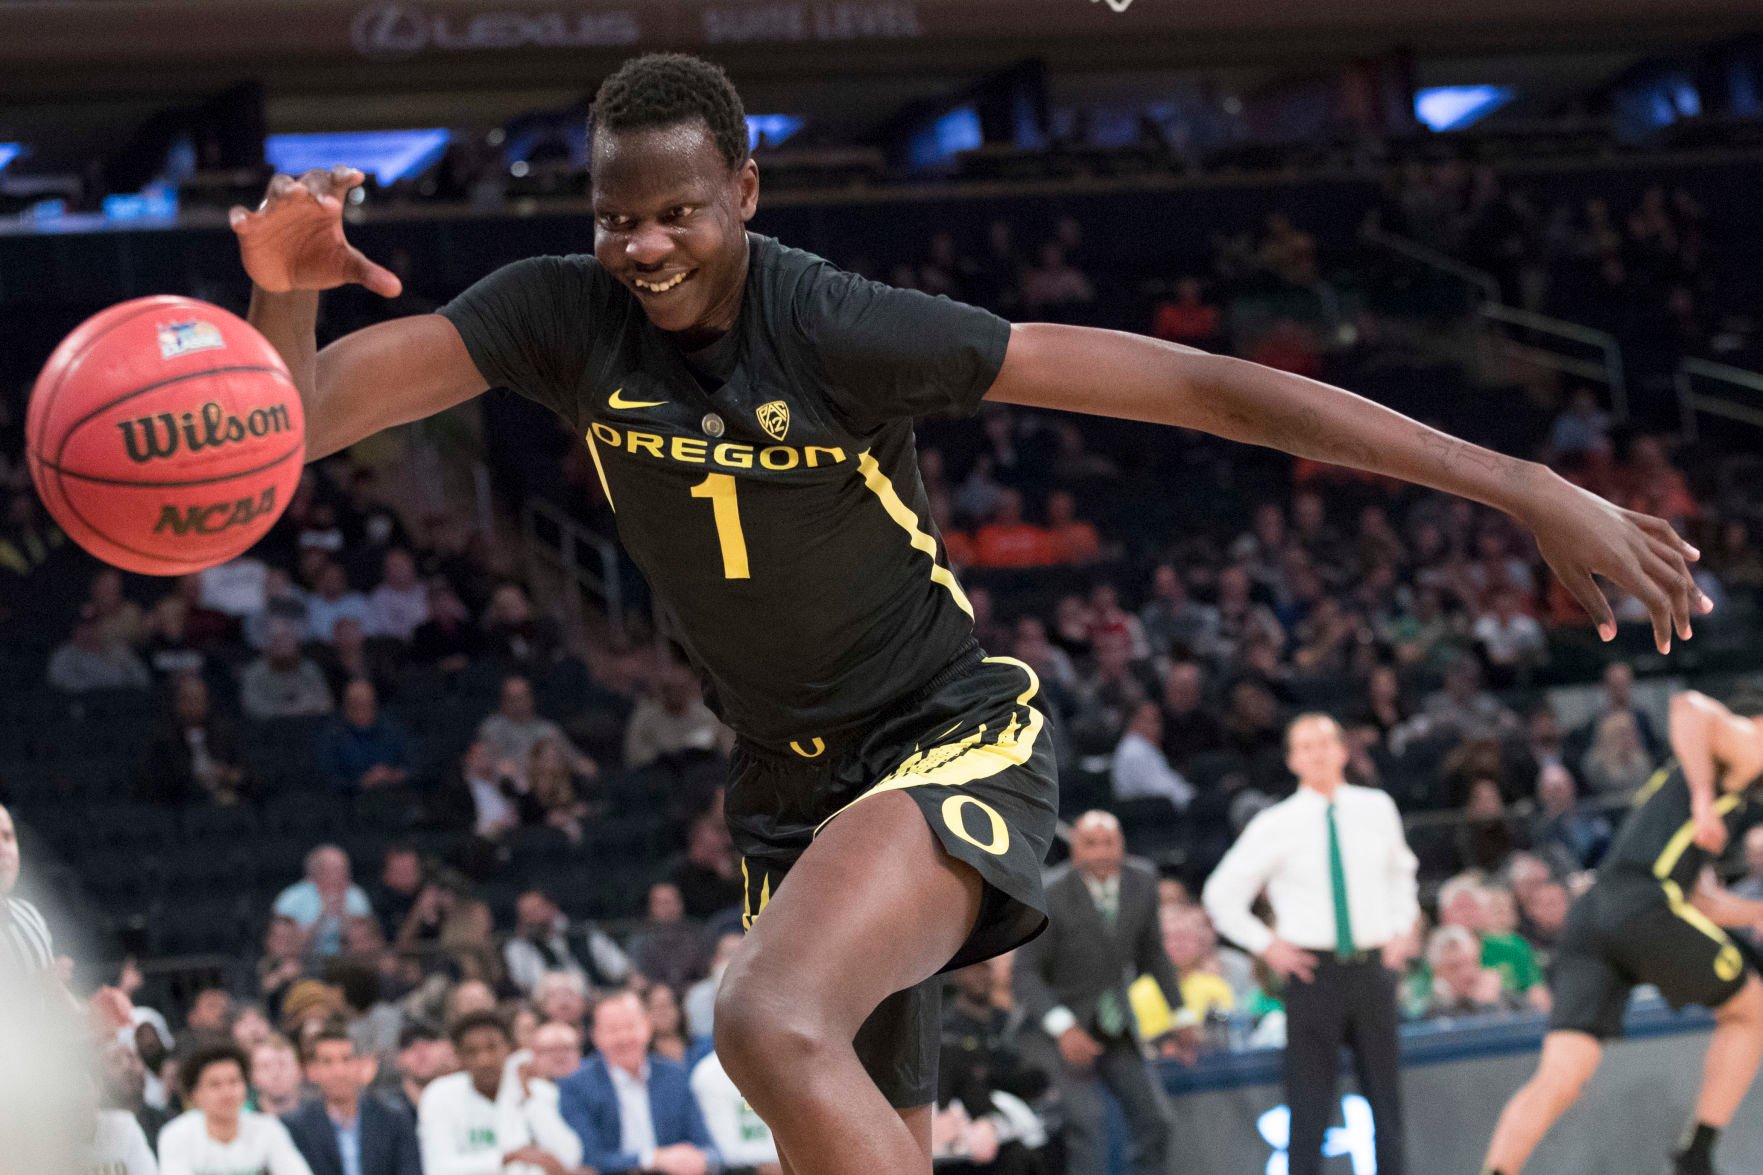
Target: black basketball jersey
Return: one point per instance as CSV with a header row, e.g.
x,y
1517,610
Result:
x,y
1658,836
780,518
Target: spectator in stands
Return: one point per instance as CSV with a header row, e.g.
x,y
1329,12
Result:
x,y
1176,625
1617,763
1651,484
283,962
1189,319
672,720
120,619
209,1013
708,877
667,947
124,1086
492,786
1750,886
513,729
1564,827
557,1050
1070,983
219,1134
194,755
1189,726
277,1085
1491,915
1736,559
1051,663
349,656
1110,692
448,639
1510,640
631,1109
1464,708
1543,911
1619,699
401,882
361,749
1461,986
1055,286
1192,946
460,1127
668,1023
423,1055
1140,768
321,902
522,643
282,683
343,1131
1582,427
1075,542
699,1004
283,601
983,1121
1484,839
1544,742
400,604
553,794
1240,617
89,661
333,600
563,997
1007,540
168,650
541,946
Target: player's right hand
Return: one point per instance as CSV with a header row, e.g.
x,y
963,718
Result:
x,y
1079,1048
1710,831
294,239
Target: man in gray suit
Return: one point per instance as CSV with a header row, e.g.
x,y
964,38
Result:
x,y
1072,982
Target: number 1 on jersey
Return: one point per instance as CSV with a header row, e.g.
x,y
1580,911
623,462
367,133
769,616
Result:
x,y
720,489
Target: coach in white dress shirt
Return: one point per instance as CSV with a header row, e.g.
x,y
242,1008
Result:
x,y
1339,875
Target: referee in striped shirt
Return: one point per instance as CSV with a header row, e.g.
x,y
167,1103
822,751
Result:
x,y
25,946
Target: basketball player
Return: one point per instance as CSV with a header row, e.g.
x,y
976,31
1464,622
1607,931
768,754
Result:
x,y
748,411
1654,916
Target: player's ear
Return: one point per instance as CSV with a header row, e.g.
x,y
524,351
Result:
x,y
747,184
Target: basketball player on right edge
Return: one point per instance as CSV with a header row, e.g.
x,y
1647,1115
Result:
x,y
1654,916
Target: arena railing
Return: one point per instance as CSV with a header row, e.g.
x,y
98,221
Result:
x,y
588,563
1694,404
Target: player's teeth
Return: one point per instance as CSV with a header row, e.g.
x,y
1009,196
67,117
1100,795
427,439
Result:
x,y
662,287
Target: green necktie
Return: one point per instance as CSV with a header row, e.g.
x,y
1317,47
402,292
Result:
x,y
1337,875
1110,1012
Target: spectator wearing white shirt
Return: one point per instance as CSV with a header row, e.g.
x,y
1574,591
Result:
x,y
741,1135
1511,641
540,946
1140,767
220,1136
1338,872
400,604
462,1126
118,1146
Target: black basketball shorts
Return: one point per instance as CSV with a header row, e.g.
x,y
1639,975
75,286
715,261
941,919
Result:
x,y
972,751
1629,929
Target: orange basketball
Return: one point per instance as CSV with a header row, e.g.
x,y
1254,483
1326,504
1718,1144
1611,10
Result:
x,y
165,435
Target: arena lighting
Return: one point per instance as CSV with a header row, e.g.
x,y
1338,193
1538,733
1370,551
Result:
x,y
1450,108
388,156
775,127
9,152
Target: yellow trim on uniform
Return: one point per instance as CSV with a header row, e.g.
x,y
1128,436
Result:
x,y
960,763
879,485
1729,962
1653,784
747,912
1674,849
817,744
594,452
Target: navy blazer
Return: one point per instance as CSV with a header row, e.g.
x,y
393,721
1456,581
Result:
x,y
388,1139
589,1104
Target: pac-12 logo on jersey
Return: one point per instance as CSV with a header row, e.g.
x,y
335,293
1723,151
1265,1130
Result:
x,y
774,418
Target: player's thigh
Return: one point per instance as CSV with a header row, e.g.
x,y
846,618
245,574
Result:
x,y
873,906
918,1120
1685,955
1745,1005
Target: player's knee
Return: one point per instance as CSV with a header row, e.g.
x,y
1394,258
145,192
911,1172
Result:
x,y
1744,1008
1560,1086
761,1032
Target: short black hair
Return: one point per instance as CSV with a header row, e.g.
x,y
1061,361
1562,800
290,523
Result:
x,y
472,1021
214,1053
334,1031
666,89
416,1030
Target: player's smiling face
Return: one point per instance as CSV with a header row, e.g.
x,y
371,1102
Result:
x,y
670,221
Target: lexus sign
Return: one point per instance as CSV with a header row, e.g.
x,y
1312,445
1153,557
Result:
x,y
392,30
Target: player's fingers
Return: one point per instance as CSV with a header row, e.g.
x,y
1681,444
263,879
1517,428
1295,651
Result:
x,y
1680,585
344,178
374,276
1578,581
238,216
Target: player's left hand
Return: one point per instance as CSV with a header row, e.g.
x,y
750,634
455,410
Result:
x,y
1710,832
1581,535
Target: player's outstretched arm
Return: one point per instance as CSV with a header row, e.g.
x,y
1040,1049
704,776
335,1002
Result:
x,y
1111,373
293,246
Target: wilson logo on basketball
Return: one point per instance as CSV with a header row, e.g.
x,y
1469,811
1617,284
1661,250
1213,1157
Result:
x,y
155,438
213,519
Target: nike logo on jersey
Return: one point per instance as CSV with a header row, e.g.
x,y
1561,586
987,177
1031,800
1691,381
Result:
x,y
617,400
